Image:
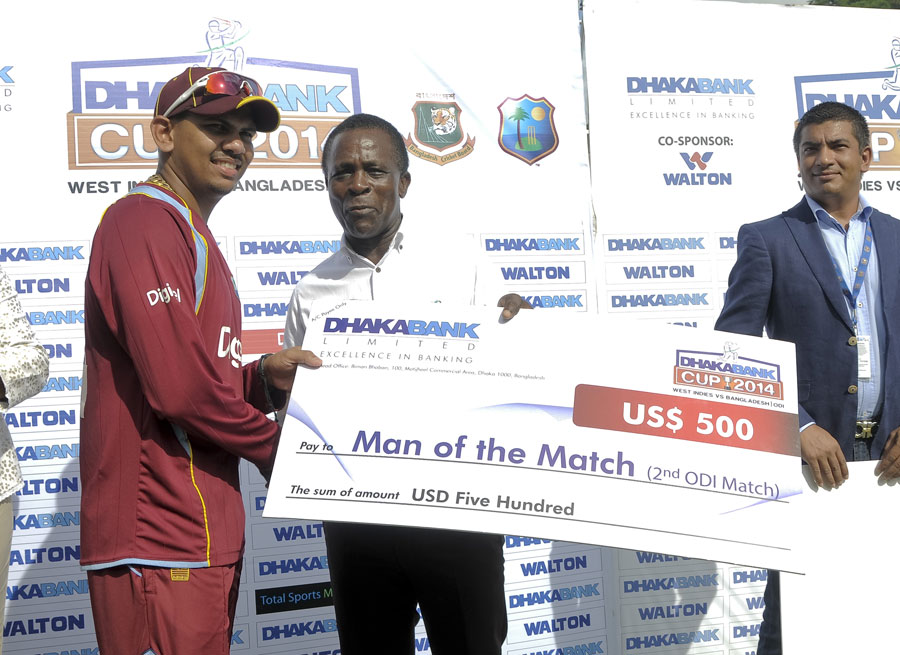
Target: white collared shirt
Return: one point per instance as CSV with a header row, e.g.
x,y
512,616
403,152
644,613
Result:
x,y
411,270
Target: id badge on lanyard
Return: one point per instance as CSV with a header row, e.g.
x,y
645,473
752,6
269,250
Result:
x,y
863,357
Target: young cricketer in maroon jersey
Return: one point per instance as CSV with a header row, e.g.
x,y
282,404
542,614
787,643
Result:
x,y
169,409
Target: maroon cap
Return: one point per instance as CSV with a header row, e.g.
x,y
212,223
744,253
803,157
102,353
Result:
x,y
230,92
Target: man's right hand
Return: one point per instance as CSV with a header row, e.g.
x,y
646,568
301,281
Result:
x,y
824,455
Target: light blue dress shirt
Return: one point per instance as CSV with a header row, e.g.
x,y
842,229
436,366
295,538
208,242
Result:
x,y
845,247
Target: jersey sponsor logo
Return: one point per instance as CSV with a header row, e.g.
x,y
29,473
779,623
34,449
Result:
x,y
163,294
229,347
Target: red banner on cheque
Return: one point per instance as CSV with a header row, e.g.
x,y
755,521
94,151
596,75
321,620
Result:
x,y
691,419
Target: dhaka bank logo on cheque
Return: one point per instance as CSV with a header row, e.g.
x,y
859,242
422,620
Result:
x,y
728,371
113,102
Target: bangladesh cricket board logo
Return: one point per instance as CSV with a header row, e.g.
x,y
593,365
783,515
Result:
x,y
527,131
438,127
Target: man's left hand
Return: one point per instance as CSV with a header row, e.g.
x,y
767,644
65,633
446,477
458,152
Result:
x,y
511,304
281,366
889,465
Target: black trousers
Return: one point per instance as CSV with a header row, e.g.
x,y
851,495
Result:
x,y
770,630
379,574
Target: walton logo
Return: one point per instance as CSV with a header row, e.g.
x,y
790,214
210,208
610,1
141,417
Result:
x,y
699,163
696,160
873,94
113,103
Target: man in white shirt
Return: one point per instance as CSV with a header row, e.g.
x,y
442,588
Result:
x,y
380,573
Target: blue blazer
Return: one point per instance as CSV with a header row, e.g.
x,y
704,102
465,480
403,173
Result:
x,y
784,280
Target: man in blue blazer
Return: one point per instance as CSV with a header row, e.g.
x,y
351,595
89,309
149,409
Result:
x,y
825,275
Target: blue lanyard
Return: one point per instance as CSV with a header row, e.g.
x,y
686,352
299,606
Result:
x,y
861,269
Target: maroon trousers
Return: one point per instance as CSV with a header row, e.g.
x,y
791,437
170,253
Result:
x,y
146,610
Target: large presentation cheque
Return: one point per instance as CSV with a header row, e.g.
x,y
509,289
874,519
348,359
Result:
x,y
553,425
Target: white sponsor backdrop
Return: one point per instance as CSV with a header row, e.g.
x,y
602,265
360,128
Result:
x,y
76,88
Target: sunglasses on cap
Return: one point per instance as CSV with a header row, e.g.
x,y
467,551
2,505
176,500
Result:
x,y
223,83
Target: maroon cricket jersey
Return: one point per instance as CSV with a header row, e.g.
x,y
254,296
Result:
x,y
168,408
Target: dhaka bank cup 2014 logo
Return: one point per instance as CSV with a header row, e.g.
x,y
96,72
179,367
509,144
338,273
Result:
x,y
438,127
113,103
728,371
527,130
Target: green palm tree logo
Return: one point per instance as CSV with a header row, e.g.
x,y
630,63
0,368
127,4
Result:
x,y
518,115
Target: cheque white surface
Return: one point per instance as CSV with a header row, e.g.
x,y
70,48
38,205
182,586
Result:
x,y
674,440
843,535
